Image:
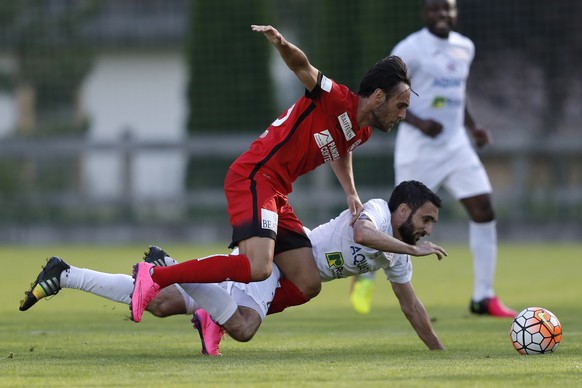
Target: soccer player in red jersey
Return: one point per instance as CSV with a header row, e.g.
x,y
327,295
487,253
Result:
x,y
324,125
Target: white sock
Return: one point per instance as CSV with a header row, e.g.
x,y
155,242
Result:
x,y
212,298
169,261
483,244
189,303
116,287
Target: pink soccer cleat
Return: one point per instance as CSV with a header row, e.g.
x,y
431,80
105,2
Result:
x,y
144,290
498,309
210,333
493,307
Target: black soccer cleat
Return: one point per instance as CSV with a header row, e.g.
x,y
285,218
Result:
x,y
156,256
48,282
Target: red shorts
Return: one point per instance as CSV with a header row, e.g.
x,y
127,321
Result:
x,y
257,208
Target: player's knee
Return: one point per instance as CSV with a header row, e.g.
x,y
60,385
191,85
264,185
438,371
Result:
x,y
310,286
242,334
484,214
312,289
261,271
480,208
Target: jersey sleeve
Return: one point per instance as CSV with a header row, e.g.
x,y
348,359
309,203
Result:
x,y
329,95
376,210
400,269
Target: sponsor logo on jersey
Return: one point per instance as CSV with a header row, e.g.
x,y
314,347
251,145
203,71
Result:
x,y
440,102
327,146
335,261
346,126
269,220
325,84
359,260
445,82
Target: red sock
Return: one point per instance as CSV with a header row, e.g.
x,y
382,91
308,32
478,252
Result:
x,y
211,269
286,296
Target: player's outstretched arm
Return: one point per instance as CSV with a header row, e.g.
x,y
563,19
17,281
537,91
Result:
x,y
365,233
416,314
295,59
426,248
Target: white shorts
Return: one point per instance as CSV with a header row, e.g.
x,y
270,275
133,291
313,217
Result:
x,y
462,174
254,295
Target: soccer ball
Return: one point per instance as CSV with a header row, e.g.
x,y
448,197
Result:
x,y
535,330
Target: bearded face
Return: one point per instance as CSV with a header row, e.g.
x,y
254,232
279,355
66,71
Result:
x,y
407,232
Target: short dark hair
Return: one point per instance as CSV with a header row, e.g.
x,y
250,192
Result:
x,y
414,194
386,74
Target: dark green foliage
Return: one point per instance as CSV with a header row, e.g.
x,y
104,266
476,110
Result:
x,y
230,87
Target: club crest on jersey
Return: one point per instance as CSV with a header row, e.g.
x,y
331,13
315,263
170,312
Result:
x,y
334,259
346,126
327,146
269,220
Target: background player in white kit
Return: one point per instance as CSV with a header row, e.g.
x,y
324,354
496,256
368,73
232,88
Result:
x,y
340,250
432,144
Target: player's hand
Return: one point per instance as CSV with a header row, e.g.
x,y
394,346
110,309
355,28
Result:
x,y
355,206
426,248
270,33
431,128
482,137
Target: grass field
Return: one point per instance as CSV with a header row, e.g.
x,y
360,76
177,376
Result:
x,y
76,339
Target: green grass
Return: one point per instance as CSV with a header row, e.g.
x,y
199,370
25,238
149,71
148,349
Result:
x,y
77,339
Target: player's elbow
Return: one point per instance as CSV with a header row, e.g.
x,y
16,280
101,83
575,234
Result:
x,y
360,236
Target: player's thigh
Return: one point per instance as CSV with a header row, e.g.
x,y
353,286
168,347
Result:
x,y
259,251
297,265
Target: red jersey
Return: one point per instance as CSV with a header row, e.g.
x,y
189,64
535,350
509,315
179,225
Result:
x,y
320,127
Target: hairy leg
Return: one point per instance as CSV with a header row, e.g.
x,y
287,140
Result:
x,y
243,325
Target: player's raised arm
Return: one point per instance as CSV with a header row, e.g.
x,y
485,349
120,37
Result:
x,y
295,59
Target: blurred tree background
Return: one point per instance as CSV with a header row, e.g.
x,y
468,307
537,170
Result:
x,y
63,62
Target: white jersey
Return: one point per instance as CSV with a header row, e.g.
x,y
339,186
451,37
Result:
x,y
338,256
438,70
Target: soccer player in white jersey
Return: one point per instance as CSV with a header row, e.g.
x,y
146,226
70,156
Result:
x,y
432,144
340,250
